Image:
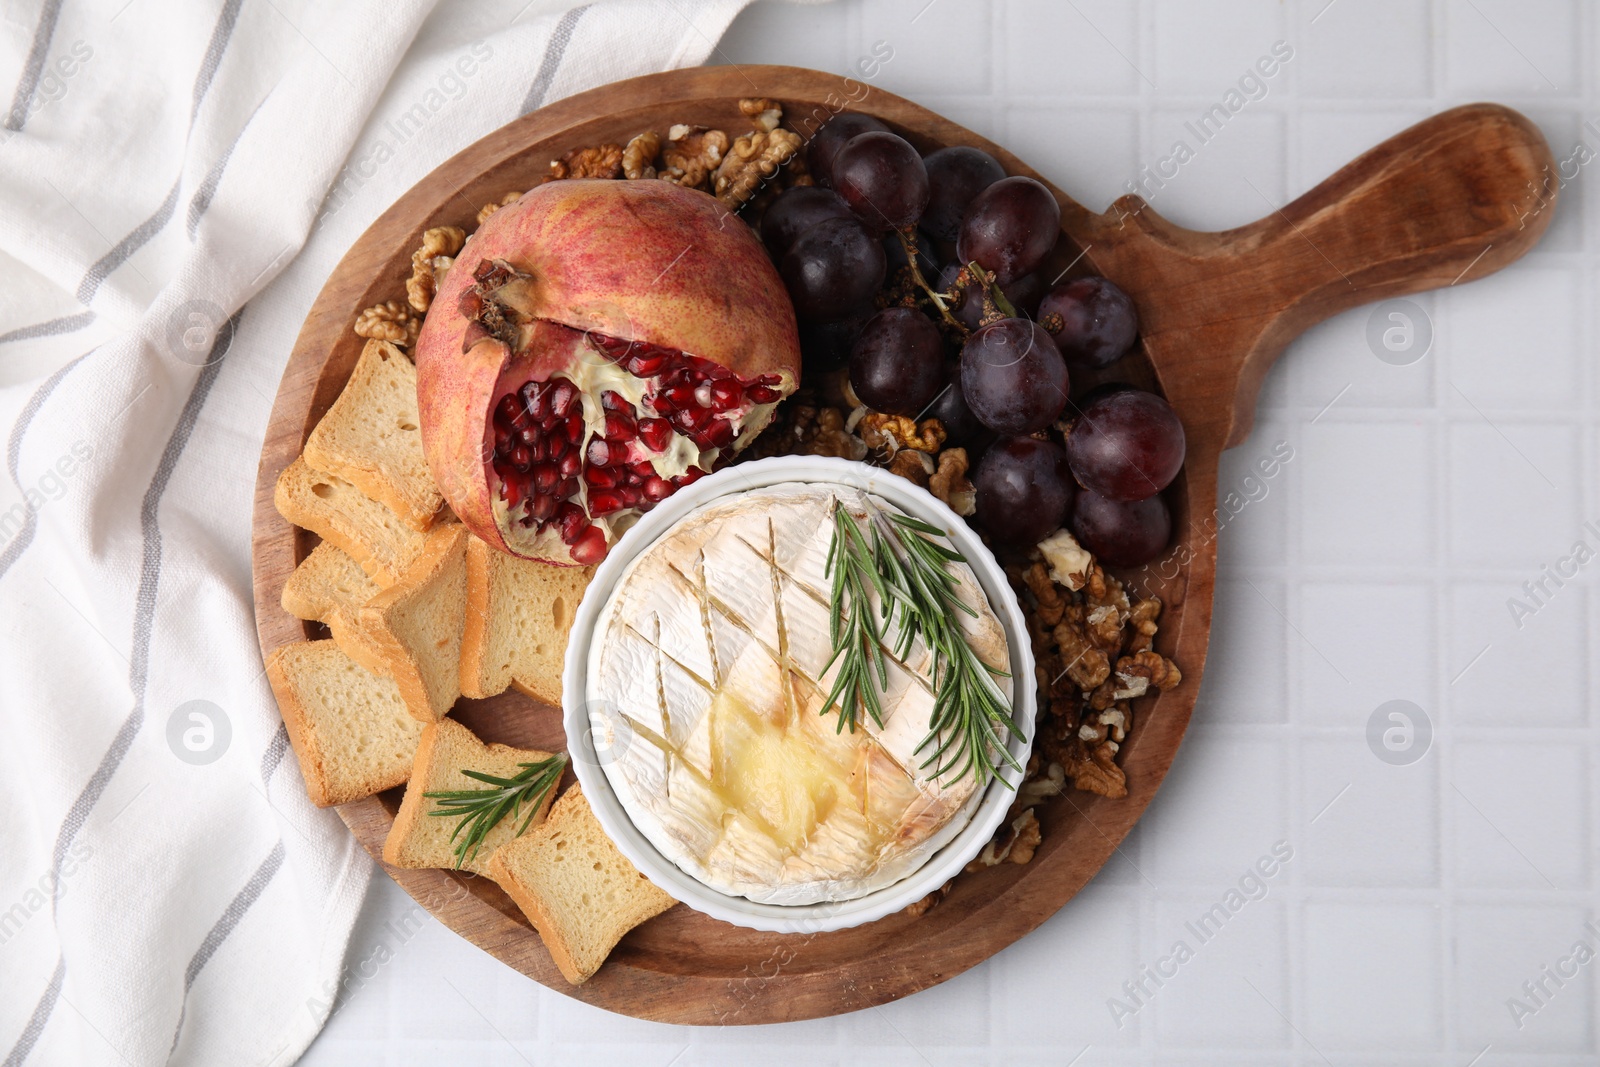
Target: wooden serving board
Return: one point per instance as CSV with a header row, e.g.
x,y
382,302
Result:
x,y
1450,200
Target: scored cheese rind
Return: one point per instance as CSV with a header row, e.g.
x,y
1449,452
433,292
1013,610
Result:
x,y
708,673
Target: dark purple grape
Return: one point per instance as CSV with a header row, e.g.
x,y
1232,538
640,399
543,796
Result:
x,y
1024,490
1023,293
882,178
833,269
1123,533
825,346
794,212
961,426
830,137
1013,377
1010,227
897,364
956,175
1093,321
1126,446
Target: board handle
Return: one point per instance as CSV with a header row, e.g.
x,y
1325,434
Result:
x,y
1452,199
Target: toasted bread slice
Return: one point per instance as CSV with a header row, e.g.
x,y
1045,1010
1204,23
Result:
x,y
370,437
338,512
419,839
348,726
416,624
519,614
330,587
580,893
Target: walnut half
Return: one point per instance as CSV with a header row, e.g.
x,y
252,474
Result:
x,y
949,482
389,321
429,262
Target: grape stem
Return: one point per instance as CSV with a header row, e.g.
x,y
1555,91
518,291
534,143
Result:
x,y
991,289
908,241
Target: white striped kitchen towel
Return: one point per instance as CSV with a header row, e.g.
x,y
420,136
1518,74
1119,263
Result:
x,y
167,893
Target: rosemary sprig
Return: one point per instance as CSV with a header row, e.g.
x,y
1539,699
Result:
x,y
480,810
851,626
900,560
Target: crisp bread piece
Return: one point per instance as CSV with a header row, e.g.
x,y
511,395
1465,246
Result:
x,y
519,615
330,587
348,726
338,512
577,890
369,437
420,839
416,624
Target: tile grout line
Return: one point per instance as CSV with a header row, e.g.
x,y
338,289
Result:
x,y
1294,986
1444,739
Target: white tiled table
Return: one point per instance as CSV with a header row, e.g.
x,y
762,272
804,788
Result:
x,y
1419,898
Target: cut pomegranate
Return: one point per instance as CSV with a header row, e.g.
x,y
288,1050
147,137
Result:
x,y
564,388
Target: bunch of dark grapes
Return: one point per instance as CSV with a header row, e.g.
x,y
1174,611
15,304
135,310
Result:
x,y
921,274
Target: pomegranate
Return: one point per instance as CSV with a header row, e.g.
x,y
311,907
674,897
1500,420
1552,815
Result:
x,y
597,346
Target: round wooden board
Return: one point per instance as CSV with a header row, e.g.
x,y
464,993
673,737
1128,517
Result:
x,y
1216,309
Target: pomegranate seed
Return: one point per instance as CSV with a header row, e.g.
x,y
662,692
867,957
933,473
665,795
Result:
x,y
630,495
613,349
538,447
541,507
619,426
569,466
719,434
702,394
555,447
502,439
507,408
527,436
520,458
677,398
725,394
563,397
657,488
538,401
605,501
571,531
600,477
553,424
688,477
689,420
591,547
762,394
642,469
567,489
512,490
770,379
599,453
655,433
545,477
575,426
642,366
568,516
611,400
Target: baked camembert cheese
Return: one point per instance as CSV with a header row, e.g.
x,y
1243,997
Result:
x,y
706,688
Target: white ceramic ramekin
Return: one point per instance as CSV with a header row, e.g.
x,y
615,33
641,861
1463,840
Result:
x,y
592,748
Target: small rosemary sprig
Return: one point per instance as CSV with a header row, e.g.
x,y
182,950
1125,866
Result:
x,y
852,627
899,559
480,810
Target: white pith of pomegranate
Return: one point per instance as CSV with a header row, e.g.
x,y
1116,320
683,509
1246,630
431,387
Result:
x,y
579,451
